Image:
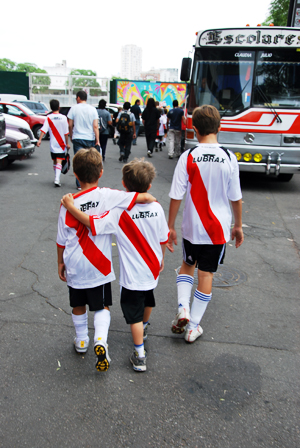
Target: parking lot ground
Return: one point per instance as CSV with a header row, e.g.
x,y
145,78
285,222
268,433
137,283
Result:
x,y
235,387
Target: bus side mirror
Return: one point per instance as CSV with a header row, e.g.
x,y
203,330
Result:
x,y
186,69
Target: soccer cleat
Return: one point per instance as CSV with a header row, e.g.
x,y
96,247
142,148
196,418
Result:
x,y
103,361
145,331
181,320
138,364
149,153
81,346
191,334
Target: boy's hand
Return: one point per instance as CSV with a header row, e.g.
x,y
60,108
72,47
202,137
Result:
x,y
237,234
67,200
162,266
172,239
62,272
68,147
149,198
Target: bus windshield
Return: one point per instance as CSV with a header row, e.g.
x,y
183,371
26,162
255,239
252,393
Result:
x,y
277,79
222,78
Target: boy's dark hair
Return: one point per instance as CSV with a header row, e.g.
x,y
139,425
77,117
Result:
x,y
165,110
102,104
87,165
137,101
206,119
138,175
126,105
81,95
54,105
151,103
175,103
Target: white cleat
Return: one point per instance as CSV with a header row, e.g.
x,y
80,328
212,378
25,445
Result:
x,y
180,321
191,334
81,346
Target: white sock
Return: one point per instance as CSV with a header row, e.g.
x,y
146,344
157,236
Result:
x,y
164,140
57,172
81,326
184,290
198,307
140,350
101,324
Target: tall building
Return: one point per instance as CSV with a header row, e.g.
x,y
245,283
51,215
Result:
x,y
131,62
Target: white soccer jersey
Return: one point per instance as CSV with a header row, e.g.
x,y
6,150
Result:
x,y
57,125
211,180
88,258
140,233
161,129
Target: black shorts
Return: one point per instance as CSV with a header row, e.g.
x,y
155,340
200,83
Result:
x,y
58,155
133,304
206,256
96,298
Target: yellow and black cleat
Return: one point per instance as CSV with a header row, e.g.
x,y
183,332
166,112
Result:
x,y
103,361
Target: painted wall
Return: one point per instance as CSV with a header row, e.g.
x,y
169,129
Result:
x,y
142,90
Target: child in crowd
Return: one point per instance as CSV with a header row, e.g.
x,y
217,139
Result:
x,y
165,121
84,259
116,133
160,132
209,174
142,234
57,126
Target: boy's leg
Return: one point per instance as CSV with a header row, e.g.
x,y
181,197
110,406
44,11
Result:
x,y
146,318
185,281
171,143
58,172
102,320
80,320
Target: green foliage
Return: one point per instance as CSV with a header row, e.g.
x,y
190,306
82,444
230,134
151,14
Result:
x,y
6,65
82,82
27,67
278,13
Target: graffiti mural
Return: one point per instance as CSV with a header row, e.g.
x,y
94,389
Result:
x,y
164,92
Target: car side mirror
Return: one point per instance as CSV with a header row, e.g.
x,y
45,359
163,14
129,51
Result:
x,y
22,114
186,69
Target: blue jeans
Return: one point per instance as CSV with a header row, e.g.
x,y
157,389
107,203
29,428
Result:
x,y
79,144
137,128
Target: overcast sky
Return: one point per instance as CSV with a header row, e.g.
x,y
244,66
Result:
x,y
89,34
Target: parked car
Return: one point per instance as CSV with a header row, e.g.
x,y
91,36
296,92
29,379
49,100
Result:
x,y
4,146
19,110
37,107
21,146
17,124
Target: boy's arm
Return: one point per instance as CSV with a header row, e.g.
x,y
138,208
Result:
x,y
163,248
145,197
68,202
40,139
61,264
173,210
237,231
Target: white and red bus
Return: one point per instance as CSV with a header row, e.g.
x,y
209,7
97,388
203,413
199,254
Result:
x,y
252,76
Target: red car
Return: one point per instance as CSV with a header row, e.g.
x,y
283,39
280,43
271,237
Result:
x,y
19,110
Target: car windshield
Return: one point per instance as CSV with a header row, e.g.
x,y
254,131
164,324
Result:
x,y
27,110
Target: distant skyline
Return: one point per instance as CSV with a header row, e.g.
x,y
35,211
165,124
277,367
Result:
x,y
92,39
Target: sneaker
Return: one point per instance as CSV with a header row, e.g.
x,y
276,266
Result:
x,y
79,188
103,362
160,146
57,183
149,153
170,157
181,320
121,157
145,331
81,346
115,141
191,334
138,364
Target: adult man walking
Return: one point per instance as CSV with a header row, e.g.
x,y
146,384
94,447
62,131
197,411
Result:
x,y
175,117
83,125
136,110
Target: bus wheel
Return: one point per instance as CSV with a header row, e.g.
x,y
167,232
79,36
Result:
x,y
284,177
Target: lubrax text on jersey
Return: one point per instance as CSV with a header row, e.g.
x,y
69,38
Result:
x,y
208,158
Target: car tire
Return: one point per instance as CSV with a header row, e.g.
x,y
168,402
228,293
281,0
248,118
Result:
x,y
37,131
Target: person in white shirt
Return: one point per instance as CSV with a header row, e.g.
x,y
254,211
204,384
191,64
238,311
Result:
x,y
83,125
85,260
209,175
142,234
57,126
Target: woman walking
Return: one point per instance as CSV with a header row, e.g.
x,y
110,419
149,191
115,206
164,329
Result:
x,y
150,118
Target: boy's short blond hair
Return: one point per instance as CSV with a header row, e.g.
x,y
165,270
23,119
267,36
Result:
x,y
206,119
138,175
87,165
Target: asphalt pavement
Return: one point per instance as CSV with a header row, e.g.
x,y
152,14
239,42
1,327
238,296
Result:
x,y
235,387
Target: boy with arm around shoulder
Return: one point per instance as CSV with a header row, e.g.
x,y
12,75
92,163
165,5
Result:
x,y
209,175
142,234
85,260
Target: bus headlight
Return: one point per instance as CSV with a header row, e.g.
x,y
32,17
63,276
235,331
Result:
x,y
247,157
238,156
190,135
257,157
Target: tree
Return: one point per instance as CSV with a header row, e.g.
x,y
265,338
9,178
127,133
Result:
x,y
6,65
40,80
83,81
278,13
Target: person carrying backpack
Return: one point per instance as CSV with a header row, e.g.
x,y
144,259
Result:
x,y
126,128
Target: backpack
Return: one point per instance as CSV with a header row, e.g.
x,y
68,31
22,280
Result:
x,y
65,166
124,125
101,126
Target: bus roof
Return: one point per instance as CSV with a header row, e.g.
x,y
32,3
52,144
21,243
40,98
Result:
x,y
258,37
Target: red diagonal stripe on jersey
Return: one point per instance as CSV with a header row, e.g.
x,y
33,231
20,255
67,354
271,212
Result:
x,y
200,199
89,248
56,135
140,243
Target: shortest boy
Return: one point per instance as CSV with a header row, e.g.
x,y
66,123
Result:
x,y
85,259
142,234
57,126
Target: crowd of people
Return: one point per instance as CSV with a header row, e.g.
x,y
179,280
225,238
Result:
x,y
88,218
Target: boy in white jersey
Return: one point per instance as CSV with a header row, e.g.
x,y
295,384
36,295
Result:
x,y
210,176
85,260
142,234
57,126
